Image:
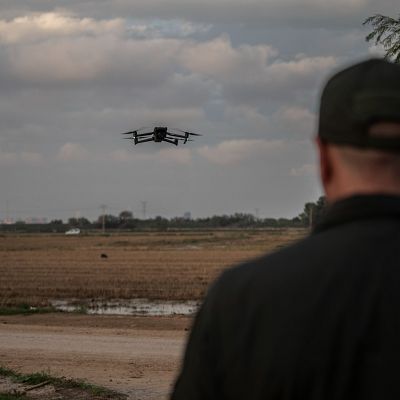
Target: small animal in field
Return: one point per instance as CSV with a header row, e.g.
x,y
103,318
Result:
x,y
104,255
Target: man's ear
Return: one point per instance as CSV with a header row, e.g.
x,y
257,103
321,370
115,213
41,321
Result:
x,y
325,165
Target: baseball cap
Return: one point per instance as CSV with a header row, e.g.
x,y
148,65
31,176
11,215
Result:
x,y
357,97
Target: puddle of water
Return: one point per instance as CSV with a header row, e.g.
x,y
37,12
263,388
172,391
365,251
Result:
x,y
127,307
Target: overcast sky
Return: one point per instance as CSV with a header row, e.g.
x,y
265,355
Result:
x,y
244,73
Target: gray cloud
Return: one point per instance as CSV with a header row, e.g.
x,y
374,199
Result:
x,y
74,75
305,13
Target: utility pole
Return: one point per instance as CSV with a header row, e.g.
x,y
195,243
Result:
x,y
103,218
144,206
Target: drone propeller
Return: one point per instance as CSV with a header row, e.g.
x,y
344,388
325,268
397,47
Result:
x,y
187,133
176,135
135,131
129,133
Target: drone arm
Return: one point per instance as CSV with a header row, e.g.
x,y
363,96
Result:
x,y
143,134
175,142
176,135
144,140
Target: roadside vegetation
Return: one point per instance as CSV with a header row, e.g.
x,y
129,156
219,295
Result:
x,y
25,309
10,396
127,222
65,388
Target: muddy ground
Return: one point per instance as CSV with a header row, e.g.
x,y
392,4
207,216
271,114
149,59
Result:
x,y
136,356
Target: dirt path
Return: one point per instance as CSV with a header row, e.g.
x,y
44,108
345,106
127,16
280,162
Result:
x,y
136,356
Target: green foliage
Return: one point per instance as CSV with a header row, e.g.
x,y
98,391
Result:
x,y
81,309
33,379
125,216
126,221
25,309
111,221
385,31
20,223
39,377
312,212
10,396
78,222
6,372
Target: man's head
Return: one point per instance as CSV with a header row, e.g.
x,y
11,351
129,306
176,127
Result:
x,y
359,131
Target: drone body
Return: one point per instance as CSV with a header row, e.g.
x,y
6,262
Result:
x,y
159,134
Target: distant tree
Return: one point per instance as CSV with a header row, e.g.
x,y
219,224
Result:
x,y
161,223
56,222
320,207
126,220
73,221
386,31
297,222
284,222
270,222
79,222
111,221
312,212
82,221
243,220
125,216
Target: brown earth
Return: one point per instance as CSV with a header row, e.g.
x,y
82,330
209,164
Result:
x,y
136,356
168,266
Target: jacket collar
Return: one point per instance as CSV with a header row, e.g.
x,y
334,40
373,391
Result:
x,y
359,207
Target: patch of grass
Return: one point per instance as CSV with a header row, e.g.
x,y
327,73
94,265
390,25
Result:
x,y
33,379
6,372
88,387
81,309
25,309
10,396
39,377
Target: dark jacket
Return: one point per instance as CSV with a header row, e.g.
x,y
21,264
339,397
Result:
x,y
317,320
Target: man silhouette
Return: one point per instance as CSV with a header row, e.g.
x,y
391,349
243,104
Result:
x,y
321,318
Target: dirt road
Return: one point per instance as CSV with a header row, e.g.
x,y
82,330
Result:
x,y
138,356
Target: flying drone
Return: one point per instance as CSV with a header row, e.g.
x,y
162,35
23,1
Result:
x,y
160,134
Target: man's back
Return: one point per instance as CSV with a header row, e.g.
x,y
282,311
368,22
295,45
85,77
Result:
x,y
318,320
321,319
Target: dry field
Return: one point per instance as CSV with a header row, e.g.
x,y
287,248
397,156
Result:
x,y
167,265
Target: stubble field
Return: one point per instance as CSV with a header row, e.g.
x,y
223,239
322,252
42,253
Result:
x,y
137,356
165,266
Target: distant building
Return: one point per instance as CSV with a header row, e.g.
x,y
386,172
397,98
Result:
x,y
187,215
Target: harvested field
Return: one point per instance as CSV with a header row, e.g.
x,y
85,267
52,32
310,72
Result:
x,y
165,266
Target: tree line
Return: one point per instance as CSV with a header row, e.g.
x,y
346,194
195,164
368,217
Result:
x,y
126,221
